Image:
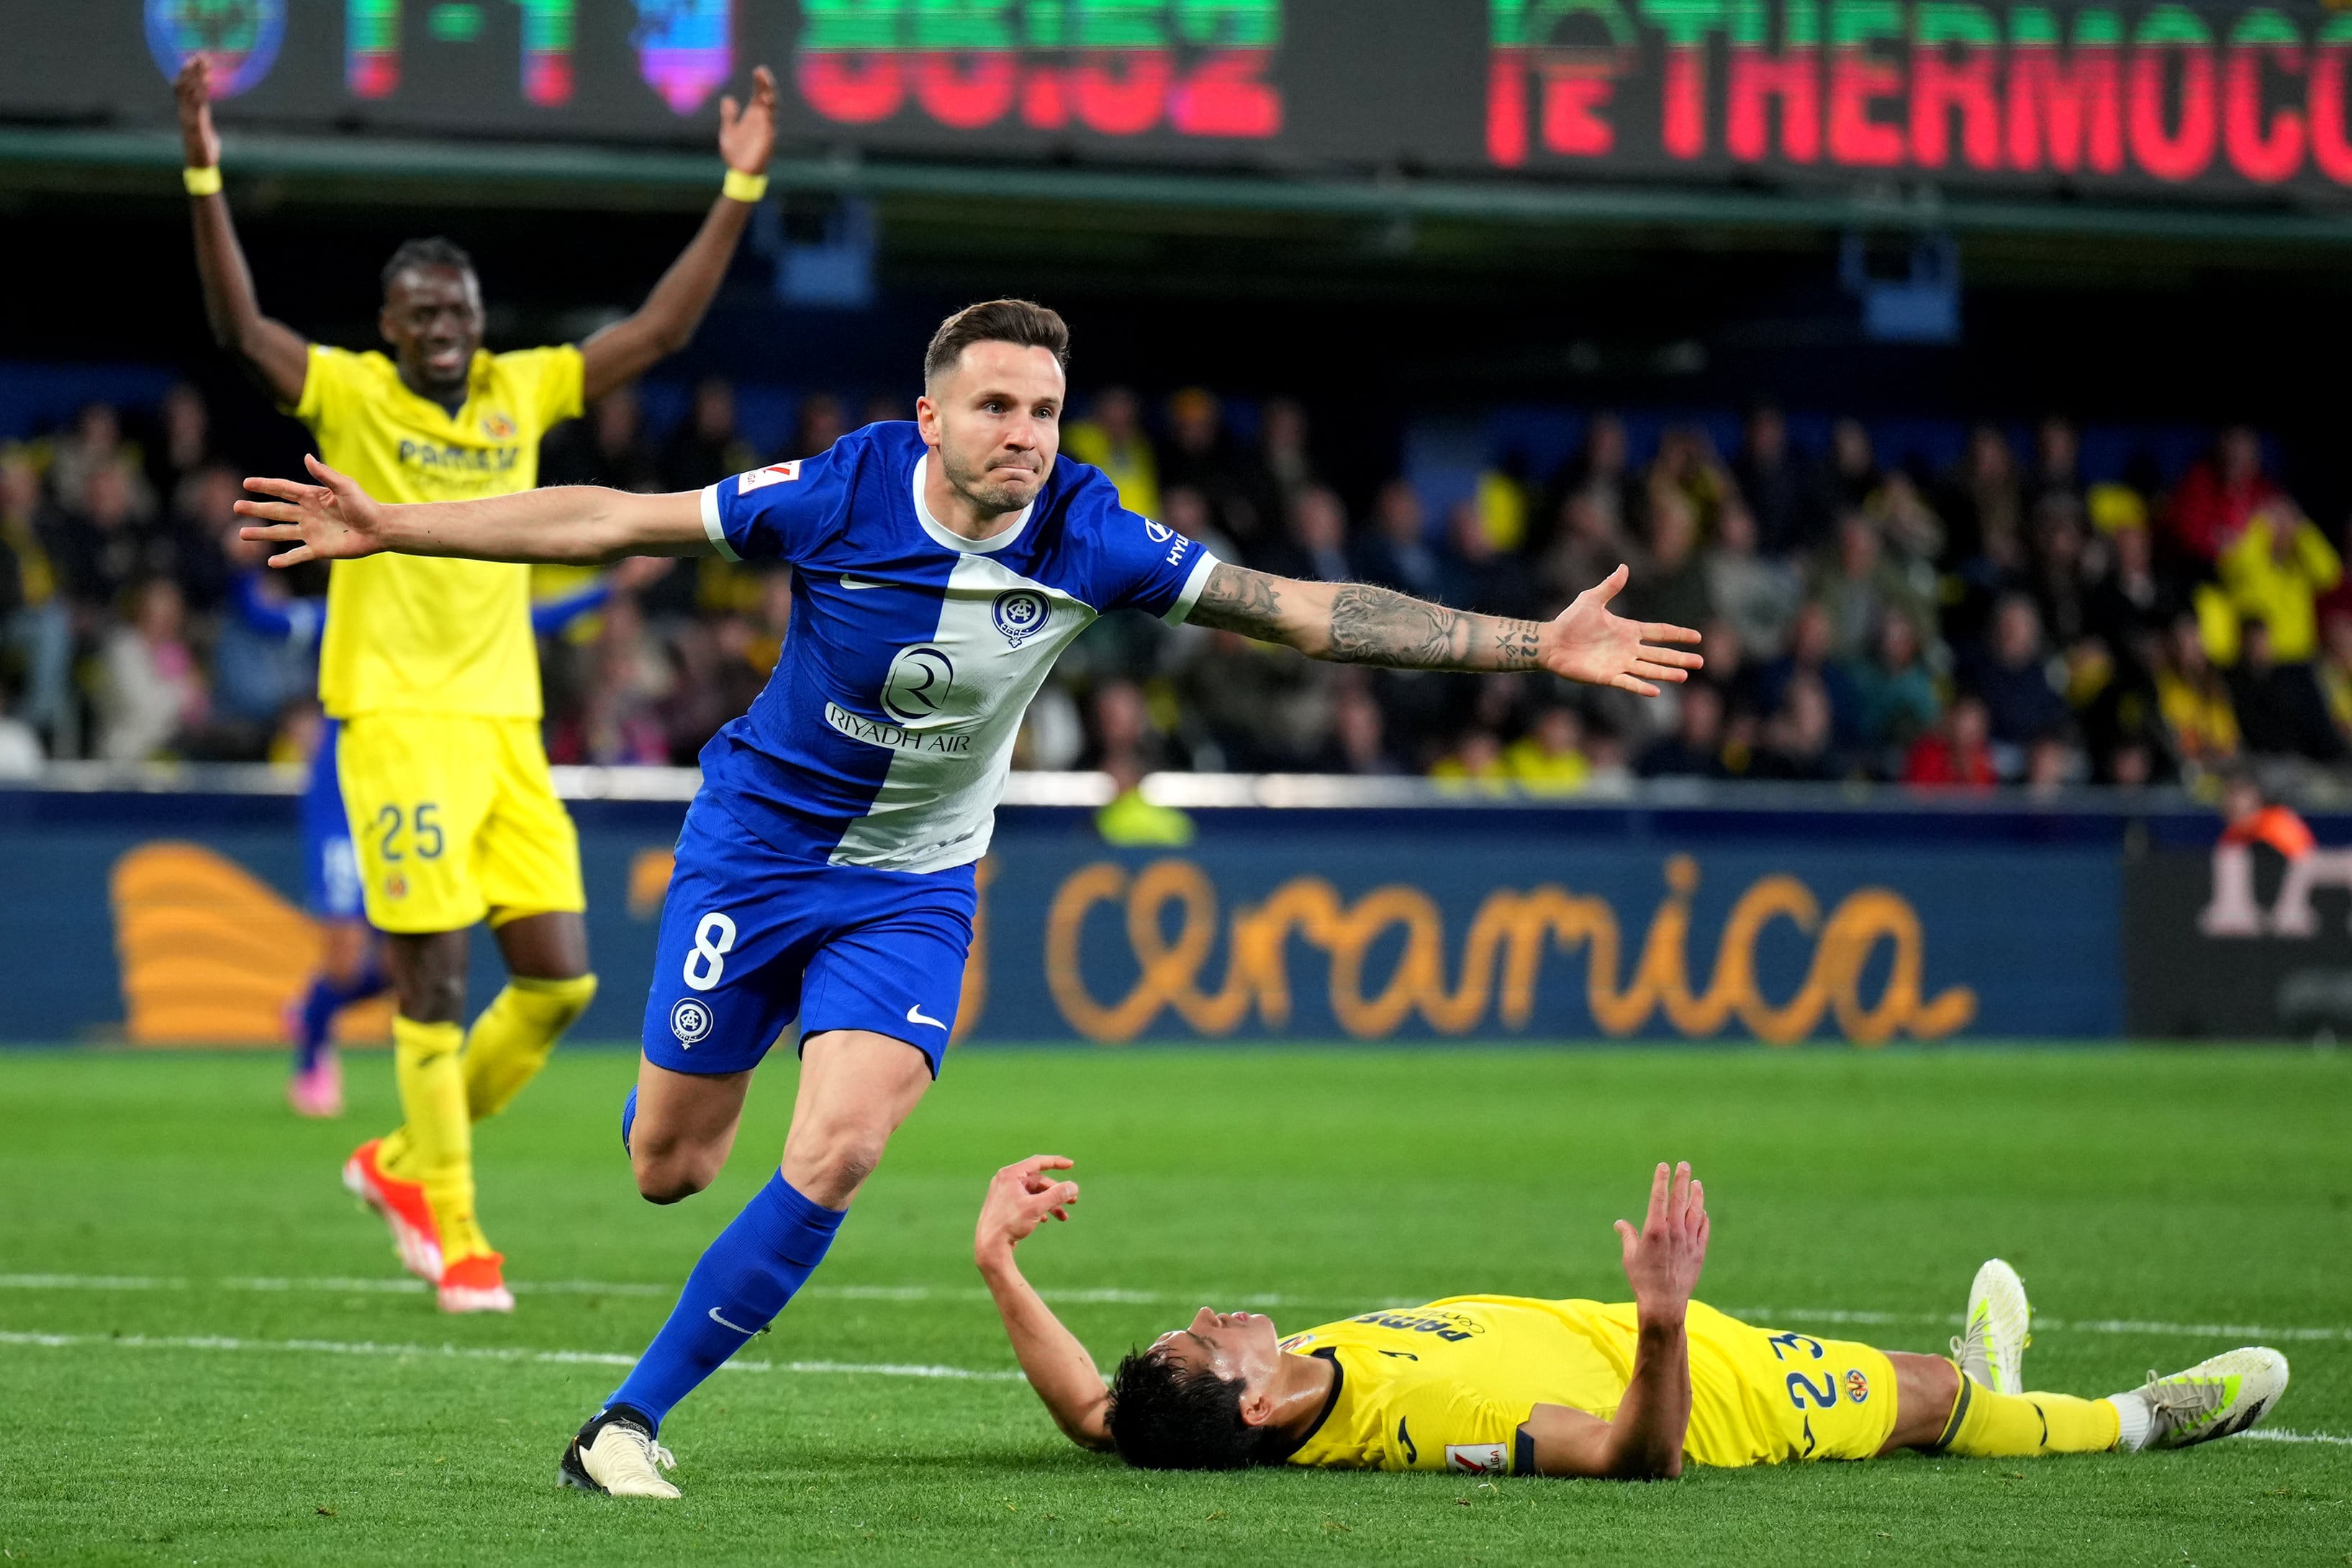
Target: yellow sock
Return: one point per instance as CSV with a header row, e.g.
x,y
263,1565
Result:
x,y
1989,1425
437,1143
511,1041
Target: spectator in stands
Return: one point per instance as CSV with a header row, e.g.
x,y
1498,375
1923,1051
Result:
x,y
1895,693
1854,475
2194,701
1856,588
2011,675
1475,761
1317,549
186,446
2056,573
1053,733
631,679
2050,764
817,424
1476,576
1601,475
706,447
1799,739
1111,438
20,744
607,448
103,546
1550,758
1285,468
2275,571
1955,753
2129,601
1669,579
2220,493
1694,747
1984,507
2334,671
1201,453
1808,657
1186,510
1756,593
2280,710
1591,544
1780,488
259,671
2057,464
153,692
1397,554
1913,533
188,545
1686,465
95,443
1127,743
1247,709
1359,735
35,627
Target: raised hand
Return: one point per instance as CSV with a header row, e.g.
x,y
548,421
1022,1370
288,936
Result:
x,y
1663,1258
1587,643
193,89
333,520
748,136
1021,1197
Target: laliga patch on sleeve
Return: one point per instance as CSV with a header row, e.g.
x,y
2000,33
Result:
x,y
773,473
1477,1458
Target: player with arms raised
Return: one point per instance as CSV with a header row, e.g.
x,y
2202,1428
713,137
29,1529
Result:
x,y
429,669
825,868
1514,1386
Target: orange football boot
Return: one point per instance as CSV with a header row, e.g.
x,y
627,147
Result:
x,y
402,1207
476,1285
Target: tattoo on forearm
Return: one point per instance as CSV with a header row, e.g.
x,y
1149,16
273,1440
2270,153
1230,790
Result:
x,y
1375,626
1517,645
1236,598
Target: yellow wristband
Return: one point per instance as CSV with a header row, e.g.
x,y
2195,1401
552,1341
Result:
x,y
742,187
201,182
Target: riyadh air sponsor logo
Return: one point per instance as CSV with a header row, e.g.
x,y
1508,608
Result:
x,y
691,1021
1477,1458
878,732
1020,614
918,683
761,478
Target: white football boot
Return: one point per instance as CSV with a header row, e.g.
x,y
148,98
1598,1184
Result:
x,y
615,1454
1992,1350
2217,1397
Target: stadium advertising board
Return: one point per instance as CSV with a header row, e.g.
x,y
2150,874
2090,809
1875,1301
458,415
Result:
x,y
186,931
2214,98
2239,943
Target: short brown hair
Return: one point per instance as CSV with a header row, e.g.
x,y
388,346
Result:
x,y
1018,322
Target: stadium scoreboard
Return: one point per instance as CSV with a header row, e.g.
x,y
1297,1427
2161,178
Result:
x,y
2217,99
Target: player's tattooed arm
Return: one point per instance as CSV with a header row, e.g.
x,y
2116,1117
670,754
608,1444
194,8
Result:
x,y
1021,1197
1355,623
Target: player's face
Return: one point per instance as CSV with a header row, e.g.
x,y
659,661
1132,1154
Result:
x,y
432,319
996,420
1231,1345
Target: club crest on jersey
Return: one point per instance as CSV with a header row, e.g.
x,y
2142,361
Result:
x,y
497,427
773,473
918,685
1857,1385
1020,614
1477,1458
1158,533
691,1021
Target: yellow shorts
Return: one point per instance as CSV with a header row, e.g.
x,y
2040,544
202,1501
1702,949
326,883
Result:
x,y
454,818
1764,1397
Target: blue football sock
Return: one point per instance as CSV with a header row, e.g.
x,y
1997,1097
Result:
x,y
743,1282
322,1001
628,1119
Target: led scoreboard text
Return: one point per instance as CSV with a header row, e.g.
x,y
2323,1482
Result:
x,y
2124,97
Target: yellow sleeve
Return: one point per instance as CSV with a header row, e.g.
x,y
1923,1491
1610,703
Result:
x,y
553,380
328,381
2320,561
1444,1424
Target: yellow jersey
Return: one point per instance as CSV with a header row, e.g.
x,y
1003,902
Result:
x,y
418,634
1447,1386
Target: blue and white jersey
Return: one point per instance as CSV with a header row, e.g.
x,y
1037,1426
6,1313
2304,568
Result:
x,y
884,736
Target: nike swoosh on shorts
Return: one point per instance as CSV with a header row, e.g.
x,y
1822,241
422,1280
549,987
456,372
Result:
x,y
854,583
916,1015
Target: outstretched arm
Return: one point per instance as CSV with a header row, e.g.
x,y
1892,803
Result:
x,y
1058,1367
1644,1441
1354,623
664,323
274,352
571,525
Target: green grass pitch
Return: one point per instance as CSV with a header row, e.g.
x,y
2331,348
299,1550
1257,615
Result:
x,y
167,1231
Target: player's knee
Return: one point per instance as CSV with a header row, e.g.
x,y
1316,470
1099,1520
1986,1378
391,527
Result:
x,y
832,1164
670,1178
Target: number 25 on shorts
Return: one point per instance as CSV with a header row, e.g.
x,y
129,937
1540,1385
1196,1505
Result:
x,y
418,831
714,938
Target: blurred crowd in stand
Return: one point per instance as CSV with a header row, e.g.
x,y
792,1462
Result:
x,y
1997,619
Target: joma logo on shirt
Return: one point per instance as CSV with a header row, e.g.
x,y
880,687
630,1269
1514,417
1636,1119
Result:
x,y
475,459
1450,1329
874,732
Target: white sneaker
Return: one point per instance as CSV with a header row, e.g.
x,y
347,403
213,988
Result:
x,y
1992,1352
2217,1397
617,1456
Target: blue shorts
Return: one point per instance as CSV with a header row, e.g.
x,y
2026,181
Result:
x,y
751,937
330,869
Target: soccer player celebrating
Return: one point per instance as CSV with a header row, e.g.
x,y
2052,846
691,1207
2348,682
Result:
x,y
430,670
1511,1385
826,867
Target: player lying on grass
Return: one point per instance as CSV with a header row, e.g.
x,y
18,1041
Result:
x,y
1509,1385
825,868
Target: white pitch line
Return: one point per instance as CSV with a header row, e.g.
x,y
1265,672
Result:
x,y
480,1352
396,1285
